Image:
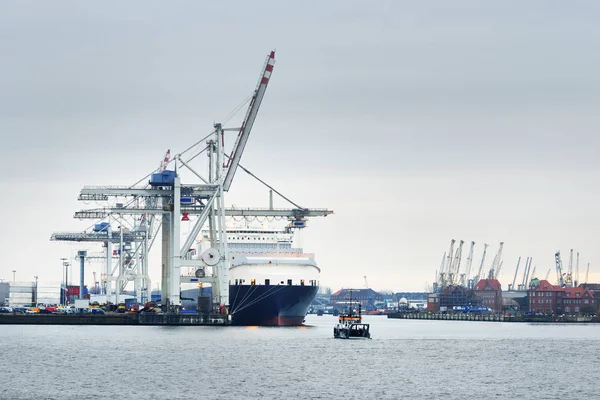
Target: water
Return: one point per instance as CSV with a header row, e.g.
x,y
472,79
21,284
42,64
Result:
x,y
407,359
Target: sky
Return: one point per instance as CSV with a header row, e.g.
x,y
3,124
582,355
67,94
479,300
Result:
x,y
415,123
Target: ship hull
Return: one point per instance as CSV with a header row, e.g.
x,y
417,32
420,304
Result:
x,y
270,305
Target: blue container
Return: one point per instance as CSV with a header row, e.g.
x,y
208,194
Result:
x,y
165,178
186,200
102,226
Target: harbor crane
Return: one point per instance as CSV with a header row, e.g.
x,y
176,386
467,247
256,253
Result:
x,y
587,271
465,276
516,272
174,202
478,276
559,274
497,264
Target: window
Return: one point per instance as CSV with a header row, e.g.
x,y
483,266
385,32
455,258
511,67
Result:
x,y
301,282
586,301
267,282
289,282
252,281
576,309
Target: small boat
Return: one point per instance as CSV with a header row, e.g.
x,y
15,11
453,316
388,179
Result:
x,y
350,326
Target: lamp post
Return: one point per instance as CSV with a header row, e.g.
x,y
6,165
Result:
x,y
36,290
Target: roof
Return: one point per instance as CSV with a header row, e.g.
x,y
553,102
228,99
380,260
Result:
x,y
547,286
577,292
493,283
347,293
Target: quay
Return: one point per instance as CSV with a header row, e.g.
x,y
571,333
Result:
x,y
116,319
490,317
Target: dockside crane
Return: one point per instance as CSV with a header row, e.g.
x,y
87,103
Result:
x,y
497,264
170,199
528,276
516,272
577,271
464,278
569,274
559,274
445,273
548,273
587,271
478,276
454,277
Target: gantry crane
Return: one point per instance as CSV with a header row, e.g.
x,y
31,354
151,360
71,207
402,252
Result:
x,y
175,201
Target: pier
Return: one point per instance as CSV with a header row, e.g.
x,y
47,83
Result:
x,y
115,319
495,317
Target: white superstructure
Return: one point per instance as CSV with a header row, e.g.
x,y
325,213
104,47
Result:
x,y
264,256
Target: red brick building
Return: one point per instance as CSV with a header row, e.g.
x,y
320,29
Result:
x,y
546,298
488,292
578,300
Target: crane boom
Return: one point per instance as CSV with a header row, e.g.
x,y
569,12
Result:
x,y
559,275
587,271
485,246
469,263
244,132
516,272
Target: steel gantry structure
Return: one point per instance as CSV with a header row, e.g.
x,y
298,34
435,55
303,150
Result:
x,y
165,202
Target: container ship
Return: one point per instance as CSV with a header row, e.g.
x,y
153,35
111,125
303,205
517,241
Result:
x,y
271,283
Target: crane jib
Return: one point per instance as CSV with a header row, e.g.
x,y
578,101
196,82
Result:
x,y
242,138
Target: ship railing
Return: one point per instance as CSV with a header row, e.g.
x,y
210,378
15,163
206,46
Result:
x,y
281,255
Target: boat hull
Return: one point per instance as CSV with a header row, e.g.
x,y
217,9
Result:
x,y
270,305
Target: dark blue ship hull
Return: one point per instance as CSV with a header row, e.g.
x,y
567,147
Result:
x,y
269,305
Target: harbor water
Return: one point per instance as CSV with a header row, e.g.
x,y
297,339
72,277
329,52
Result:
x,y
410,359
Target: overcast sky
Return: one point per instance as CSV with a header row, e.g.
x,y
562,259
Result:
x,y
416,123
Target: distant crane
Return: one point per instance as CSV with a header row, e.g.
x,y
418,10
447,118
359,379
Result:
x,y
559,274
497,264
529,276
366,284
465,277
485,246
587,272
577,271
569,275
445,271
455,268
548,274
516,272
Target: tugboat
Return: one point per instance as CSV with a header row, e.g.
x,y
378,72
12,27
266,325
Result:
x,y
350,326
